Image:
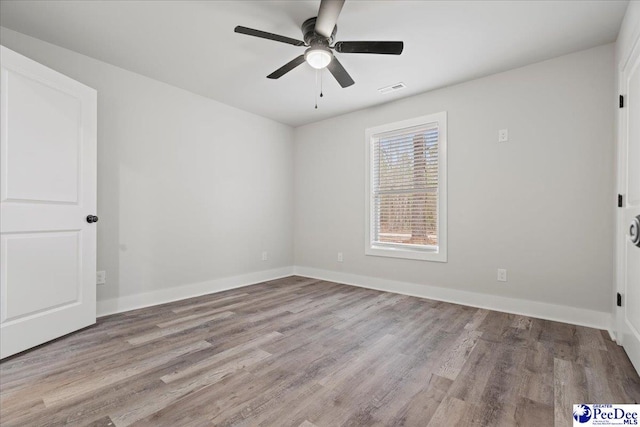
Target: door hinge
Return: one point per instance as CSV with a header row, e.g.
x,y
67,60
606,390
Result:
x,y
620,200
619,299
621,101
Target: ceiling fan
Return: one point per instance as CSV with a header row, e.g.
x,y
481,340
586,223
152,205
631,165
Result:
x,y
319,34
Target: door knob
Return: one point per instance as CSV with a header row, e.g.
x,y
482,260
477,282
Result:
x,y
92,218
634,231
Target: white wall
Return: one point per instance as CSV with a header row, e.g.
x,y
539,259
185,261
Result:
x,y
539,205
190,191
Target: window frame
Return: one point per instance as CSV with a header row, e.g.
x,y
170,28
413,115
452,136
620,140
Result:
x,y
415,252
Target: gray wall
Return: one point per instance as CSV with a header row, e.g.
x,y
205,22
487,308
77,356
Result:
x,y
189,189
192,190
539,205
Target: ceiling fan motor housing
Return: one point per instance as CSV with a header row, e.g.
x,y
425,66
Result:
x,y
312,38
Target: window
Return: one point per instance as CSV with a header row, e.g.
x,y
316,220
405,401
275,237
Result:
x,y
407,189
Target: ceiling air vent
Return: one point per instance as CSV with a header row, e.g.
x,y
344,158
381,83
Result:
x,y
392,88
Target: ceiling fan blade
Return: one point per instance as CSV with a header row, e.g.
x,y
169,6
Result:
x,y
338,71
268,36
328,16
286,68
380,48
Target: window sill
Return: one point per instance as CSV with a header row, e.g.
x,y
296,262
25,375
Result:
x,y
405,253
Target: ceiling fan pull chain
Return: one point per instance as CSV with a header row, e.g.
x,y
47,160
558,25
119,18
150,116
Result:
x,y
316,91
321,95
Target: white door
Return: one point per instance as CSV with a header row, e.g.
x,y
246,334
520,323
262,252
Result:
x,y
629,215
47,190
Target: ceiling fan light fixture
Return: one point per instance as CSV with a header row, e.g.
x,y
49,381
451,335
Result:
x,y
318,57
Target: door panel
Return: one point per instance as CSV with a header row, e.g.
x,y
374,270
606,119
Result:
x,y
628,316
632,313
55,282
42,160
633,134
48,187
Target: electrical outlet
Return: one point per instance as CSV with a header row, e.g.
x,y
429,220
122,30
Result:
x,y
503,135
340,258
101,277
265,256
502,275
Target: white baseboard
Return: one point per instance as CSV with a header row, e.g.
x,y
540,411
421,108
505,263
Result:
x,y
559,313
541,310
162,296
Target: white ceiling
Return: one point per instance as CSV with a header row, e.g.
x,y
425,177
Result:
x,y
191,44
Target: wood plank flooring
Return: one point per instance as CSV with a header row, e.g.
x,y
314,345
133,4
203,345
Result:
x,y
303,352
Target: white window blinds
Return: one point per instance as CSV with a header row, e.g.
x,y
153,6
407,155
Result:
x,y
405,187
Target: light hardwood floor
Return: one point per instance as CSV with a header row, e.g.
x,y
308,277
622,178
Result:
x,y
303,352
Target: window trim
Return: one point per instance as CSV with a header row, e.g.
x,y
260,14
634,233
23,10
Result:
x,y
424,253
